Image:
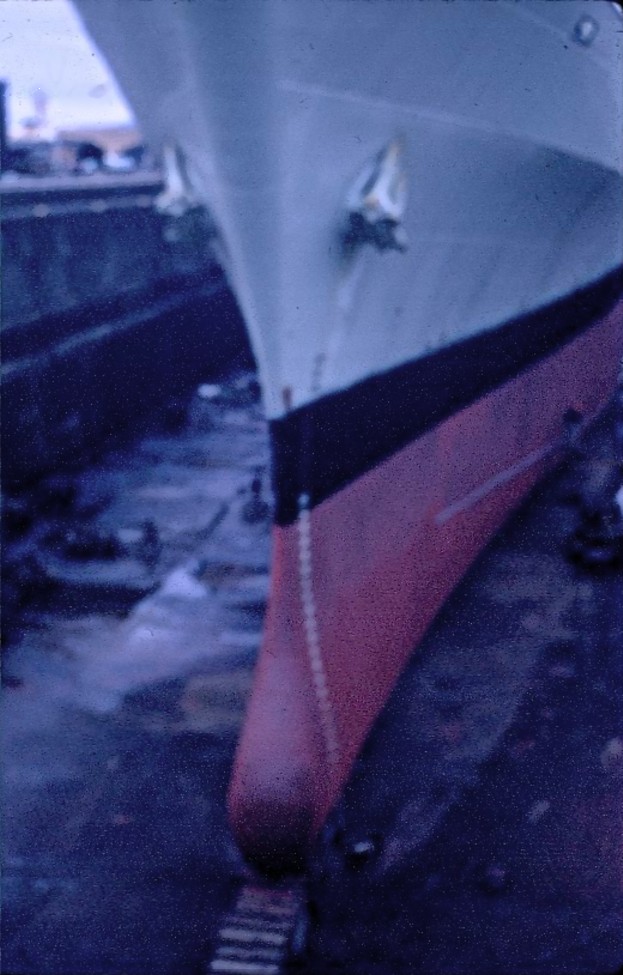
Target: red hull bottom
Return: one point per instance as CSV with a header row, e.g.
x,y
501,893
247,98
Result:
x,y
358,580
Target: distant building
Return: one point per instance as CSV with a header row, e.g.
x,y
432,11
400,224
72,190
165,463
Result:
x,y
110,138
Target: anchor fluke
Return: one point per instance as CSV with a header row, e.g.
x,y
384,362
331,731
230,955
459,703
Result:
x,y
377,202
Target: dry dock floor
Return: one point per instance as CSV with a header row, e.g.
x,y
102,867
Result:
x,y
481,831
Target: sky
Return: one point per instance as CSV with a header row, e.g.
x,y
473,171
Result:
x,y
43,49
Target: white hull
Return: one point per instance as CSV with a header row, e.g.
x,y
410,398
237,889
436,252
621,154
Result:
x,y
514,162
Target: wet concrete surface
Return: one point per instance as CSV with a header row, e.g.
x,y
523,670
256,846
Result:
x,y
481,830
119,723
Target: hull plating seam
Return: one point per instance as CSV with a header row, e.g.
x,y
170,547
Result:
x,y
504,477
320,448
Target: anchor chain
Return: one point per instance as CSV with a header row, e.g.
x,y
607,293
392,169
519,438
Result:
x,y
312,635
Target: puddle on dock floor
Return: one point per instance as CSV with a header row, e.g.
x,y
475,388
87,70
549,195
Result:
x,y
486,797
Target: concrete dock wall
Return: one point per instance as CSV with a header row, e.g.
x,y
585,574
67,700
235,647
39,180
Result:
x,y
109,311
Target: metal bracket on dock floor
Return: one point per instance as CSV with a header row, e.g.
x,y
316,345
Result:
x,y
263,932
